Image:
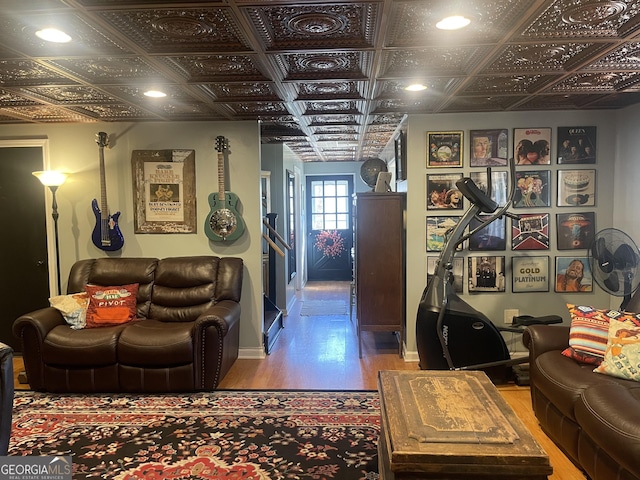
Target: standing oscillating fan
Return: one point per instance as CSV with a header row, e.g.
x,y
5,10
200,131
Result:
x,y
614,259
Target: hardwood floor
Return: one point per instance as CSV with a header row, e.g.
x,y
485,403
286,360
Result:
x,y
321,353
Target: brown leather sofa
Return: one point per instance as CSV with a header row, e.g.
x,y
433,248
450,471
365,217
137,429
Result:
x,y
593,418
185,337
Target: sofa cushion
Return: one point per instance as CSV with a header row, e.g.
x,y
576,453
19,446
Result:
x,y
111,305
87,348
589,332
622,357
152,343
562,380
610,416
72,307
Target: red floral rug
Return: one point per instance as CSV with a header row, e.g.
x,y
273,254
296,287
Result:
x,y
225,434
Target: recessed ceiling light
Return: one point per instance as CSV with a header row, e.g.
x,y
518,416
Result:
x,y
415,87
53,35
453,22
155,94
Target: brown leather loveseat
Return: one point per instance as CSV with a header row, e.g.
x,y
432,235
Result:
x,y
593,418
185,336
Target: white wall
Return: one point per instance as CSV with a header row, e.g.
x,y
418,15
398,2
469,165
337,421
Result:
x,y
73,149
493,304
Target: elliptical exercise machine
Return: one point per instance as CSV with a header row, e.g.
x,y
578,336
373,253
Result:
x,y
450,333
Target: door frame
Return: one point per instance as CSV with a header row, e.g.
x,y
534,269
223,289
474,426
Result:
x,y
43,143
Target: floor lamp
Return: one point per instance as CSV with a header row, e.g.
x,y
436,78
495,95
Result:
x,y
53,179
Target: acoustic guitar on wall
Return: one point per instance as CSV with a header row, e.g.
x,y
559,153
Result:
x,y
223,223
106,234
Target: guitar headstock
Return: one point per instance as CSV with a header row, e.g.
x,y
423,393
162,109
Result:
x,y
222,143
101,139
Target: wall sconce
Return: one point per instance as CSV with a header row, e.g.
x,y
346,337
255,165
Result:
x,y
53,179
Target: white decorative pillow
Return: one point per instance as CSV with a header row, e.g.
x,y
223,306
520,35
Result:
x,y
622,356
73,308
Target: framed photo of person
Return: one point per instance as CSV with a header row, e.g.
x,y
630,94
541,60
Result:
x,y
530,274
531,146
533,189
576,188
488,148
530,232
444,149
437,230
486,274
573,274
575,230
490,237
442,192
499,185
576,145
458,271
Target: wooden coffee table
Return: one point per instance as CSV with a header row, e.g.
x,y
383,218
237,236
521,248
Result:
x,y
452,425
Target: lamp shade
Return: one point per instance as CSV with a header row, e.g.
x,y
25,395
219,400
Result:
x,y
51,178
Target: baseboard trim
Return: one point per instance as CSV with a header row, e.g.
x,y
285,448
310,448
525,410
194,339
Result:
x,y
251,353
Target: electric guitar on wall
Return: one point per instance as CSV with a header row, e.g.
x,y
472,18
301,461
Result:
x,y
106,234
223,223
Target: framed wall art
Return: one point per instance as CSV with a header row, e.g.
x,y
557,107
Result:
x,y
458,271
576,188
533,189
437,230
444,149
490,237
530,274
164,189
499,184
575,230
488,148
531,146
576,145
486,274
530,232
442,192
573,274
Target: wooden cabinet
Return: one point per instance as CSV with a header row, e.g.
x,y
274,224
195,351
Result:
x,y
380,263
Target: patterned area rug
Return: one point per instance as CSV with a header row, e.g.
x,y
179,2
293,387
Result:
x,y
224,434
314,308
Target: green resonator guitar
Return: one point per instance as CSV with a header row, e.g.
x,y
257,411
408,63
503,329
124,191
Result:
x,y
223,223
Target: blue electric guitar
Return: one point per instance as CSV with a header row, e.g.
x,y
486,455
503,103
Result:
x,y
223,223
106,234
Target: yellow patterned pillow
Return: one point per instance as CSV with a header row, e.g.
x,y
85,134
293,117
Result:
x,y
622,356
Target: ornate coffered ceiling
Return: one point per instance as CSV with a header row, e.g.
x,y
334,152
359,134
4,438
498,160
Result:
x,y
326,78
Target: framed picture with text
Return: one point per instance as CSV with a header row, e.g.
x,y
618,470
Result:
x,y
488,148
575,230
442,193
531,146
530,232
530,274
533,189
576,145
444,149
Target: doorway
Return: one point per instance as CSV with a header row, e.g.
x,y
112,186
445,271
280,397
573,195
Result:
x,y
329,227
23,247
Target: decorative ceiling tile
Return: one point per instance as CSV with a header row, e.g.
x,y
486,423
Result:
x,y
347,130
306,27
44,114
414,23
245,91
537,57
29,73
432,62
625,57
481,104
259,108
70,95
322,120
324,65
115,112
584,19
174,30
321,108
218,68
329,90
107,70
9,98
597,82
499,85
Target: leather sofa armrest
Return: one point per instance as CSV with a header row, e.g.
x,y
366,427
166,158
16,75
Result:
x,y
223,315
544,338
43,321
